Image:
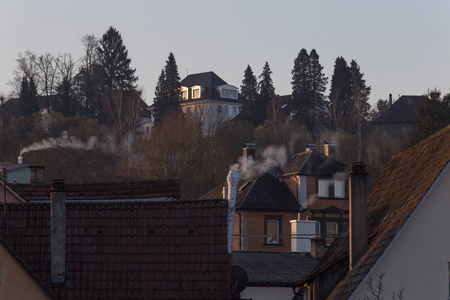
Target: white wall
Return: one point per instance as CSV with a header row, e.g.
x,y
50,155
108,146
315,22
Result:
x,y
267,293
418,259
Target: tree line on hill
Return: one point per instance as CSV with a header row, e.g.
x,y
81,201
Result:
x,y
98,97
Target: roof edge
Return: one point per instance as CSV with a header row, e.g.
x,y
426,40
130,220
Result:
x,y
391,243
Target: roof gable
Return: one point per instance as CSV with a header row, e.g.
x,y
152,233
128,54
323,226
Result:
x,y
315,163
125,250
402,111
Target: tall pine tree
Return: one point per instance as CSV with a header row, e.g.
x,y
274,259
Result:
x,y
360,108
266,91
318,86
167,91
113,57
28,97
249,97
301,89
340,95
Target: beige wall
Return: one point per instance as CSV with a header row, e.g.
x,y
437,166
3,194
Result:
x,y
418,259
15,281
10,197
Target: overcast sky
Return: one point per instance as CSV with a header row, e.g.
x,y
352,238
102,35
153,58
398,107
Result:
x,y
402,47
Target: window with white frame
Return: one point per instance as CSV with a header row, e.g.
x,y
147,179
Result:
x,y
233,94
184,95
322,188
332,231
196,93
225,93
272,230
339,189
235,110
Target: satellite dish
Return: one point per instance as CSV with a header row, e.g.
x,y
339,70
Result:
x,y
239,280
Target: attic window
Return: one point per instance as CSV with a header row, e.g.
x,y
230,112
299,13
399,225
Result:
x,y
196,93
184,95
229,93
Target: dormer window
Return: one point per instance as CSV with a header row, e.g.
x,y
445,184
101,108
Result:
x,y
184,93
196,92
228,91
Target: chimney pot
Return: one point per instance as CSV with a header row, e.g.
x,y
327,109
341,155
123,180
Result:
x,y
233,180
248,150
20,160
330,149
358,212
390,100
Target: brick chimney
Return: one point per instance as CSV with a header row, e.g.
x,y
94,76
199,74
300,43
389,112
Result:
x,y
58,233
358,212
248,150
330,149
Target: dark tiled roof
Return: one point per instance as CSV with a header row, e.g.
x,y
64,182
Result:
x,y
208,80
103,191
273,268
126,250
315,163
402,111
265,193
390,202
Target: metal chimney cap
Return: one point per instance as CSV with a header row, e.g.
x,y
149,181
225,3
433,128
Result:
x,y
358,167
57,185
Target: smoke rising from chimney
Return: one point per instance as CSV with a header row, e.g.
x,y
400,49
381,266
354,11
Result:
x,y
272,157
71,142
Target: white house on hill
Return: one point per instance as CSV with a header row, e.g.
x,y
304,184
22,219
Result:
x,y
208,98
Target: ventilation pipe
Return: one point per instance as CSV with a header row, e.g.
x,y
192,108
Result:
x,y
58,233
390,100
358,212
20,160
233,180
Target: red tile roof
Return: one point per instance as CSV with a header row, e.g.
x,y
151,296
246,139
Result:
x,y
390,202
104,191
129,250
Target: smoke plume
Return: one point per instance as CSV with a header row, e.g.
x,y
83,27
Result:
x,y
272,157
71,142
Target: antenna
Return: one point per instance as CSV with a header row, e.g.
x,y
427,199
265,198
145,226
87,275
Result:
x,y
187,72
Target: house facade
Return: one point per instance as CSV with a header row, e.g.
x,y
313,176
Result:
x,y
399,119
320,184
209,99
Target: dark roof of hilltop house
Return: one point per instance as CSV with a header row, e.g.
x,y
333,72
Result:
x,y
280,269
209,81
402,111
128,250
137,190
314,163
266,192
390,202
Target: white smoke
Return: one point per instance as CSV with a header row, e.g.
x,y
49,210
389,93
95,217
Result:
x,y
272,157
71,142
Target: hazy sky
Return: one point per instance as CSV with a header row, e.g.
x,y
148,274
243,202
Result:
x,y
402,47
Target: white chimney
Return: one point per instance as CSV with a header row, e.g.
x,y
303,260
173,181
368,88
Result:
x,y
302,233
311,147
233,180
20,160
58,233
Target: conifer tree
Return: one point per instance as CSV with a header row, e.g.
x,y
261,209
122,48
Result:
x,y
113,57
318,86
66,99
28,97
167,91
359,111
340,94
266,91
249,96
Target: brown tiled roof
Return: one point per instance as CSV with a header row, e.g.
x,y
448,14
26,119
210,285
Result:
x,y
315,163
391,201
103,191
273,268
129,250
